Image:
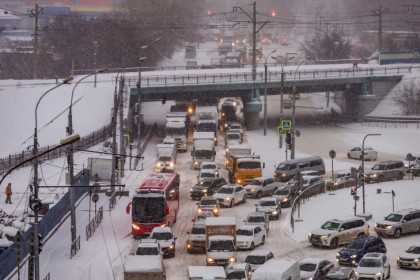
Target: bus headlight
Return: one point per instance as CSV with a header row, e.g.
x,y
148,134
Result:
x,y
199,210
215,210
136,227
171,164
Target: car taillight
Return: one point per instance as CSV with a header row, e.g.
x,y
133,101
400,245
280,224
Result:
x,y
364,153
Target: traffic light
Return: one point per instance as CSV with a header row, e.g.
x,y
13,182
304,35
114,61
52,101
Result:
x,y
288,140
273,13
353,191
117,162
39,243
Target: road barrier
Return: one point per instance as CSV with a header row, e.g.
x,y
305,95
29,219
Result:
x,y
94,223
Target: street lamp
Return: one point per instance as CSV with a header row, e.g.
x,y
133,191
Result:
x,y
34,199
292,152
69,131
265,89
363,167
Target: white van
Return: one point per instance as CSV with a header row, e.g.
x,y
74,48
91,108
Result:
x,y
147,267
278,269
286,170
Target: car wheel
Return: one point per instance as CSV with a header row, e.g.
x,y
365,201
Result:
x,y
348,155
244,199
334,243
263,240
252,246
361,234
259,195
231,204
389,273
397,233
400,176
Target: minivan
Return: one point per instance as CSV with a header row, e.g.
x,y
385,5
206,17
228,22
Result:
x,y
289,168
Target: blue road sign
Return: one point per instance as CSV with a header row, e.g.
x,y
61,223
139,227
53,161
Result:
x,y
287,125
281,130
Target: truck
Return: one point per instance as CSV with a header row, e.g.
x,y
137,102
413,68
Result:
x,y
206,113
205,272
176,127
203,148
146,267
279,269
233,60
244,169
234,150
220,240
224,48
166,158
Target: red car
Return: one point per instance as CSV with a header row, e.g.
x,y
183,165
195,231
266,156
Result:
x,y
265,41
284,42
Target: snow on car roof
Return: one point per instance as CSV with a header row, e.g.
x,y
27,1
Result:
x,y
259,253
162,229
248,227
150,263
208,162
225,221
236,266
268,199
311,260
271,268
206,272
175,124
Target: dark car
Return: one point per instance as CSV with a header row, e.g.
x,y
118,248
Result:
x,y
314,268
206,187
285,195
358,247
341,273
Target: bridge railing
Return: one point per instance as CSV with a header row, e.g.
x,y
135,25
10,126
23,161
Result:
x,y
222,76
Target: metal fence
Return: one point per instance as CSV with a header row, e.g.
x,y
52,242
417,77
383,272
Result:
x,y
94,223
144,145
47,225
75,247
391,122
84,143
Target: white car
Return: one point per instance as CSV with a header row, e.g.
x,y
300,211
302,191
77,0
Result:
x,y
249,236
374,266
314,268
210,165
258,257
166,239
231,194
356,153
207,173
410,258
258,219
270,207
238,271
236,127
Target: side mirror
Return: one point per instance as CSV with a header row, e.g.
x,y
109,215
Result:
x,y
263,164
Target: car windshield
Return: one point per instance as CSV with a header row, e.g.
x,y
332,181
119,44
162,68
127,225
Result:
x,y
255,259
256,219
207,175
208,202
236,275
225,190
268,203
367,262
249,165
393,218
204,183
208,166
245,232
203,154
221,245
355,245
330,226
164,158
162,235
378,167
198,230
414,250
233,136
146,251
283,166
307,267
256,182
281,192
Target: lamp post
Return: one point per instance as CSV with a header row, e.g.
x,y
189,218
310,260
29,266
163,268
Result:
x,y
265,89
69,131
363,167
35,201
292,152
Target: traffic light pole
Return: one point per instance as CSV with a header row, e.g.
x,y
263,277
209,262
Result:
x,y
363,167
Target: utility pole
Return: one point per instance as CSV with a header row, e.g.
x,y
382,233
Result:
x,y
121,121
254,41
114,140
35,13
379,14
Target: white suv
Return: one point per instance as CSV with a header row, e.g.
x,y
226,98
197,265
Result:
x,y
338,231
374,266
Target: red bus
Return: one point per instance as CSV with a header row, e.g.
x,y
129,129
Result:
x,y
155,203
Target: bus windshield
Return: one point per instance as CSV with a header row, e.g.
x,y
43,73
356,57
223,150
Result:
x,y
149,209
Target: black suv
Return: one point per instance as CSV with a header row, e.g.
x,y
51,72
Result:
x,y
386,171
206,187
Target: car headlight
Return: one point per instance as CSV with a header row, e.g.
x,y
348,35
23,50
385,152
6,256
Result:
x,y
376,225
275,174
338,254
357,273
274,213
378,274
416,260
232,259
283,175
227,198
171,164
227,160
238,181
215,139
172,247
204,191
353,256
252,190
398,258
374,175
216,173
158,164
135,226
309,235
325,236
210,260
191,190
195,162
388,227
285,200
215,210
199,210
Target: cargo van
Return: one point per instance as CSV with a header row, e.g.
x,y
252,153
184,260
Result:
x,y
277,269
289,168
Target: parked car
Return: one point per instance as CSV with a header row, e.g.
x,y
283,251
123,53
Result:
x,y
356,153
238,271
287,103
261,186
295,96
335,232
285,195
206,187
258,257
374,266
410,258
231,194
341,273
166,240
249,236
208,203
270,207
358,247
197,239
314,268
210,165
207,173
258,219
400,222
386,171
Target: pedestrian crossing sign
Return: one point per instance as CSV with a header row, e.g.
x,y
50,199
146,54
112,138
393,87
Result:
x,y
126,137
287,125
281,131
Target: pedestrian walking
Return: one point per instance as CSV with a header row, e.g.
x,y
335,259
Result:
x,y
8,193
355,64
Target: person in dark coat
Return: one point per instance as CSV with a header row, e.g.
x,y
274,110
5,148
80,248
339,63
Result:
x,y
8,193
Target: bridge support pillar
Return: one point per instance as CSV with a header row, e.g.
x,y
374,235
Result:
x,y
252,110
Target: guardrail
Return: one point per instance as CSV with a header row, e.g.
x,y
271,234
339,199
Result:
x,y
94,223
75,247
216,76
392,122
